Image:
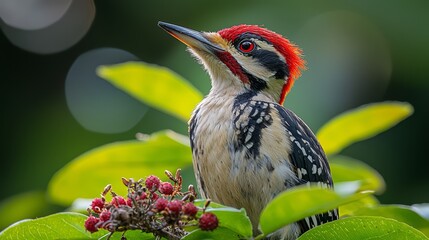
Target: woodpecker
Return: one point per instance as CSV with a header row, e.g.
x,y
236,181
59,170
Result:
x,y
246,147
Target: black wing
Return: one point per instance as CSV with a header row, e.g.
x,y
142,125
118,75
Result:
x,y
309,161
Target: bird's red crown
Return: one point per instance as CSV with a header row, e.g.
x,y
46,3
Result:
x,y
291,52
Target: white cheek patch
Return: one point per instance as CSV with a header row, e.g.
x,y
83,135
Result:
x,y
253,67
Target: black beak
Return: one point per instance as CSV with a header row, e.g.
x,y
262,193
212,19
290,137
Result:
x,y
192,38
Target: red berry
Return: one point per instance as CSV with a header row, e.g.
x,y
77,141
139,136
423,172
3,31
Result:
x,y
154,196
175,206
166,188
129,202
90,223
190,209
161,204
143,196
105,216
97,205
208,222
152,183
118,201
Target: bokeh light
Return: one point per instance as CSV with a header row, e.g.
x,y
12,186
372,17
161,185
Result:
x,y
32,14
348,54
96,104
58,36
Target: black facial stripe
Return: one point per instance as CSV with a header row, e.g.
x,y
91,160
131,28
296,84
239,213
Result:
x,y
273,62
256,83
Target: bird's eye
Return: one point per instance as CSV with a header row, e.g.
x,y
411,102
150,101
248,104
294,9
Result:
x,y
246,46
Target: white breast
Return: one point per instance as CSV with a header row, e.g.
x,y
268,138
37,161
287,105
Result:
x,y
224,171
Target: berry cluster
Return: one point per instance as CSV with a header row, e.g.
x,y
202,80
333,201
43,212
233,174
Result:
x,y
152,206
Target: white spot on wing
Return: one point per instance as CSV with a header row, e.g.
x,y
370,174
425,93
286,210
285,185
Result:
x,y
252,128
255,113
314,220
313,151
264,105
248,137
299,173
307,220
302,148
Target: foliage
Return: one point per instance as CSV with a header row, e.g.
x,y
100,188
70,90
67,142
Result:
x,y
155,86
346,169
19,207
362,216
107,164
50,227
361,123
284,210
361,228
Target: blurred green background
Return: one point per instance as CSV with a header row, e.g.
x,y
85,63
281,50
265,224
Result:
x,y
357,52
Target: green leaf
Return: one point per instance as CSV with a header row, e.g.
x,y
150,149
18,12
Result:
x,y
65,225
88,174
218,233
361,123
363,228
300,202
400,213
56,226
350,208
25,205
231,218
201,202
156,86
345,169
